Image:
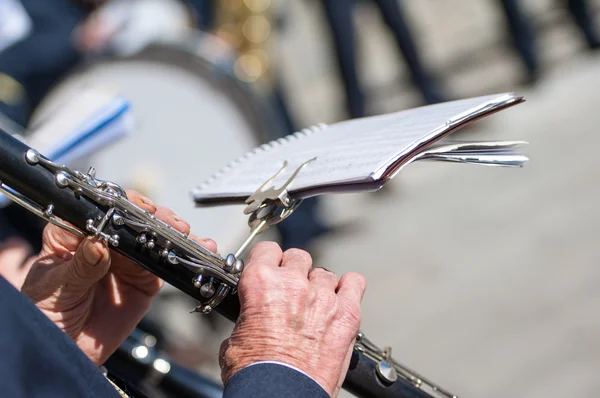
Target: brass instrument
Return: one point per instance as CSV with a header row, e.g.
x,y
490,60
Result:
x,y
248,26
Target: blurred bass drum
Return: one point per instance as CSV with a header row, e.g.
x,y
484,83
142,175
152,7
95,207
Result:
x,y
192,117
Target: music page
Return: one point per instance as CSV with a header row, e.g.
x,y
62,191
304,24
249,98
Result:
x,y
347,153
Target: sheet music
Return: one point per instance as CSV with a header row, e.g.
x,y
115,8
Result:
x,y
351,152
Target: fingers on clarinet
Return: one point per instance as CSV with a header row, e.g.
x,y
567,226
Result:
x,y
169,216
140,200
62,243
352,286
205,242
298,260
323,278
90,263
264,254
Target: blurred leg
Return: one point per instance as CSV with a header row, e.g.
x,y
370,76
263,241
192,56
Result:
x,y
523,36
581,13
304,225
41,59
279,104
205,13
392,15
36,62
14,69
339,16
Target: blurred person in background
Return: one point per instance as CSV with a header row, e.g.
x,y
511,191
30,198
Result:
x,y
35,53
340,21
40,55
204,13
523,32
54,36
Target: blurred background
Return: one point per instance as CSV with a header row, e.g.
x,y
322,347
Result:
x,y
483,279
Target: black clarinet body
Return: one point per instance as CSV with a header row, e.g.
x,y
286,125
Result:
x,y
372,372
38,185
144,371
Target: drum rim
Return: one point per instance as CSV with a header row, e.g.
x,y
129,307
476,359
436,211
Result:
x,y
248,101
253,104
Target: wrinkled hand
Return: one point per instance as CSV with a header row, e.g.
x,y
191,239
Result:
x,y
296,315
94,295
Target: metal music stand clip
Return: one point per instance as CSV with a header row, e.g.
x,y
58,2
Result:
x,y
269,205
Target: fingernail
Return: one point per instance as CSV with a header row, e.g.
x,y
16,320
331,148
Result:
x,y
209,242
91,252
177,218
147,201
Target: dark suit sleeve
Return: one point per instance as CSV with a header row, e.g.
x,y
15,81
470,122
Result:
x,y
39,360
267,380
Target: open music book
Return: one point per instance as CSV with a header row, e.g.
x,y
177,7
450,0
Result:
x,y
362,154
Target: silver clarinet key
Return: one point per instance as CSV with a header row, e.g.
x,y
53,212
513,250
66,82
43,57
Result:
x,y
389,370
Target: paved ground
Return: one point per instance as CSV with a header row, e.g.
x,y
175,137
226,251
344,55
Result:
x,y
486,280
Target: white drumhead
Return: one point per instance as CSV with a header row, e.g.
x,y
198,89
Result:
x,y
186,130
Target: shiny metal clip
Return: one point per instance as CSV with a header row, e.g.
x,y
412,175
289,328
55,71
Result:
x,y
269,205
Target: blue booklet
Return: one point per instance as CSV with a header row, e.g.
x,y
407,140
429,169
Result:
x,y
83,125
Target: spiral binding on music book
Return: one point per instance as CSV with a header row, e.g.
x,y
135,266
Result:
x,y
264,148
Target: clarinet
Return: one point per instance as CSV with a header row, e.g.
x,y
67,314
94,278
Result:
x,y
97,208
144,371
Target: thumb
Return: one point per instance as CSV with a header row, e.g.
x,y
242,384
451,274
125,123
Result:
x,y
89,264
58,242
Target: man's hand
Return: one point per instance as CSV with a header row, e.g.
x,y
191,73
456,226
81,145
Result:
x,y
296,315
94,295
